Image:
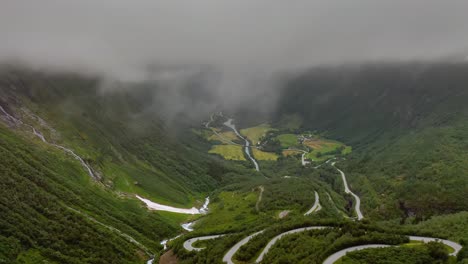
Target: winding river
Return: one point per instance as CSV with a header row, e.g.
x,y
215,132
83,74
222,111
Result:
x,y
247,143
228,141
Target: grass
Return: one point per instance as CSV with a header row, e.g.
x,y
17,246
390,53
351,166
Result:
x,y
262,155
224,135
347,150
289,152
229,152
290,122
174,218
142,181
254,134
230,210
51,183
288,140
414,243
320,147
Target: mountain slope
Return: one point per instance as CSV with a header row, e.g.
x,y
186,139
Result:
x,y
52,210
47,202
407,123
119,133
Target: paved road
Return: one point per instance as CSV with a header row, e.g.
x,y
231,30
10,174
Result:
x,y
330,260
316,207
357,205
188,245
228,256
337,255
278,237
456,247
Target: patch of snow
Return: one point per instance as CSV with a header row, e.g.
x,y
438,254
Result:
x,y
159,207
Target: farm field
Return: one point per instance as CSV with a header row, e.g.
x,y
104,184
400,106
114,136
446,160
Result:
x,y
262,155
229,152
254,134
288,140
291,152
224,135
322,149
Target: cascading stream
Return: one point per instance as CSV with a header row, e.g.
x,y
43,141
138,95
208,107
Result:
x,y
247,143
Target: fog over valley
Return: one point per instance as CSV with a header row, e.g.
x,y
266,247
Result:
x,y
245,42
234,131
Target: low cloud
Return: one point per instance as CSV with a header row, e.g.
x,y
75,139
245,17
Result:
x,y
244,41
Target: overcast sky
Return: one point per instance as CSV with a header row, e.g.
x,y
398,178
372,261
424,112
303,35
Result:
x,y
120,36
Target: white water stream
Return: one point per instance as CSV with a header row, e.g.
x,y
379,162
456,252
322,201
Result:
x,y
247,143
42,138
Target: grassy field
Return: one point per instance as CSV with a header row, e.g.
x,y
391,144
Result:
x,y
262,155
322,149
255,133
229,152
230,210
347,150
289,152
224,135
142,180
288,140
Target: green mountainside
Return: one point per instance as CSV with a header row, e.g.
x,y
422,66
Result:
x,y
408,127
398,131
53,210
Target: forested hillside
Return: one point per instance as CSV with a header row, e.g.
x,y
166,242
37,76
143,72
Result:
x,y
76,150
407,123
118,131
51,209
